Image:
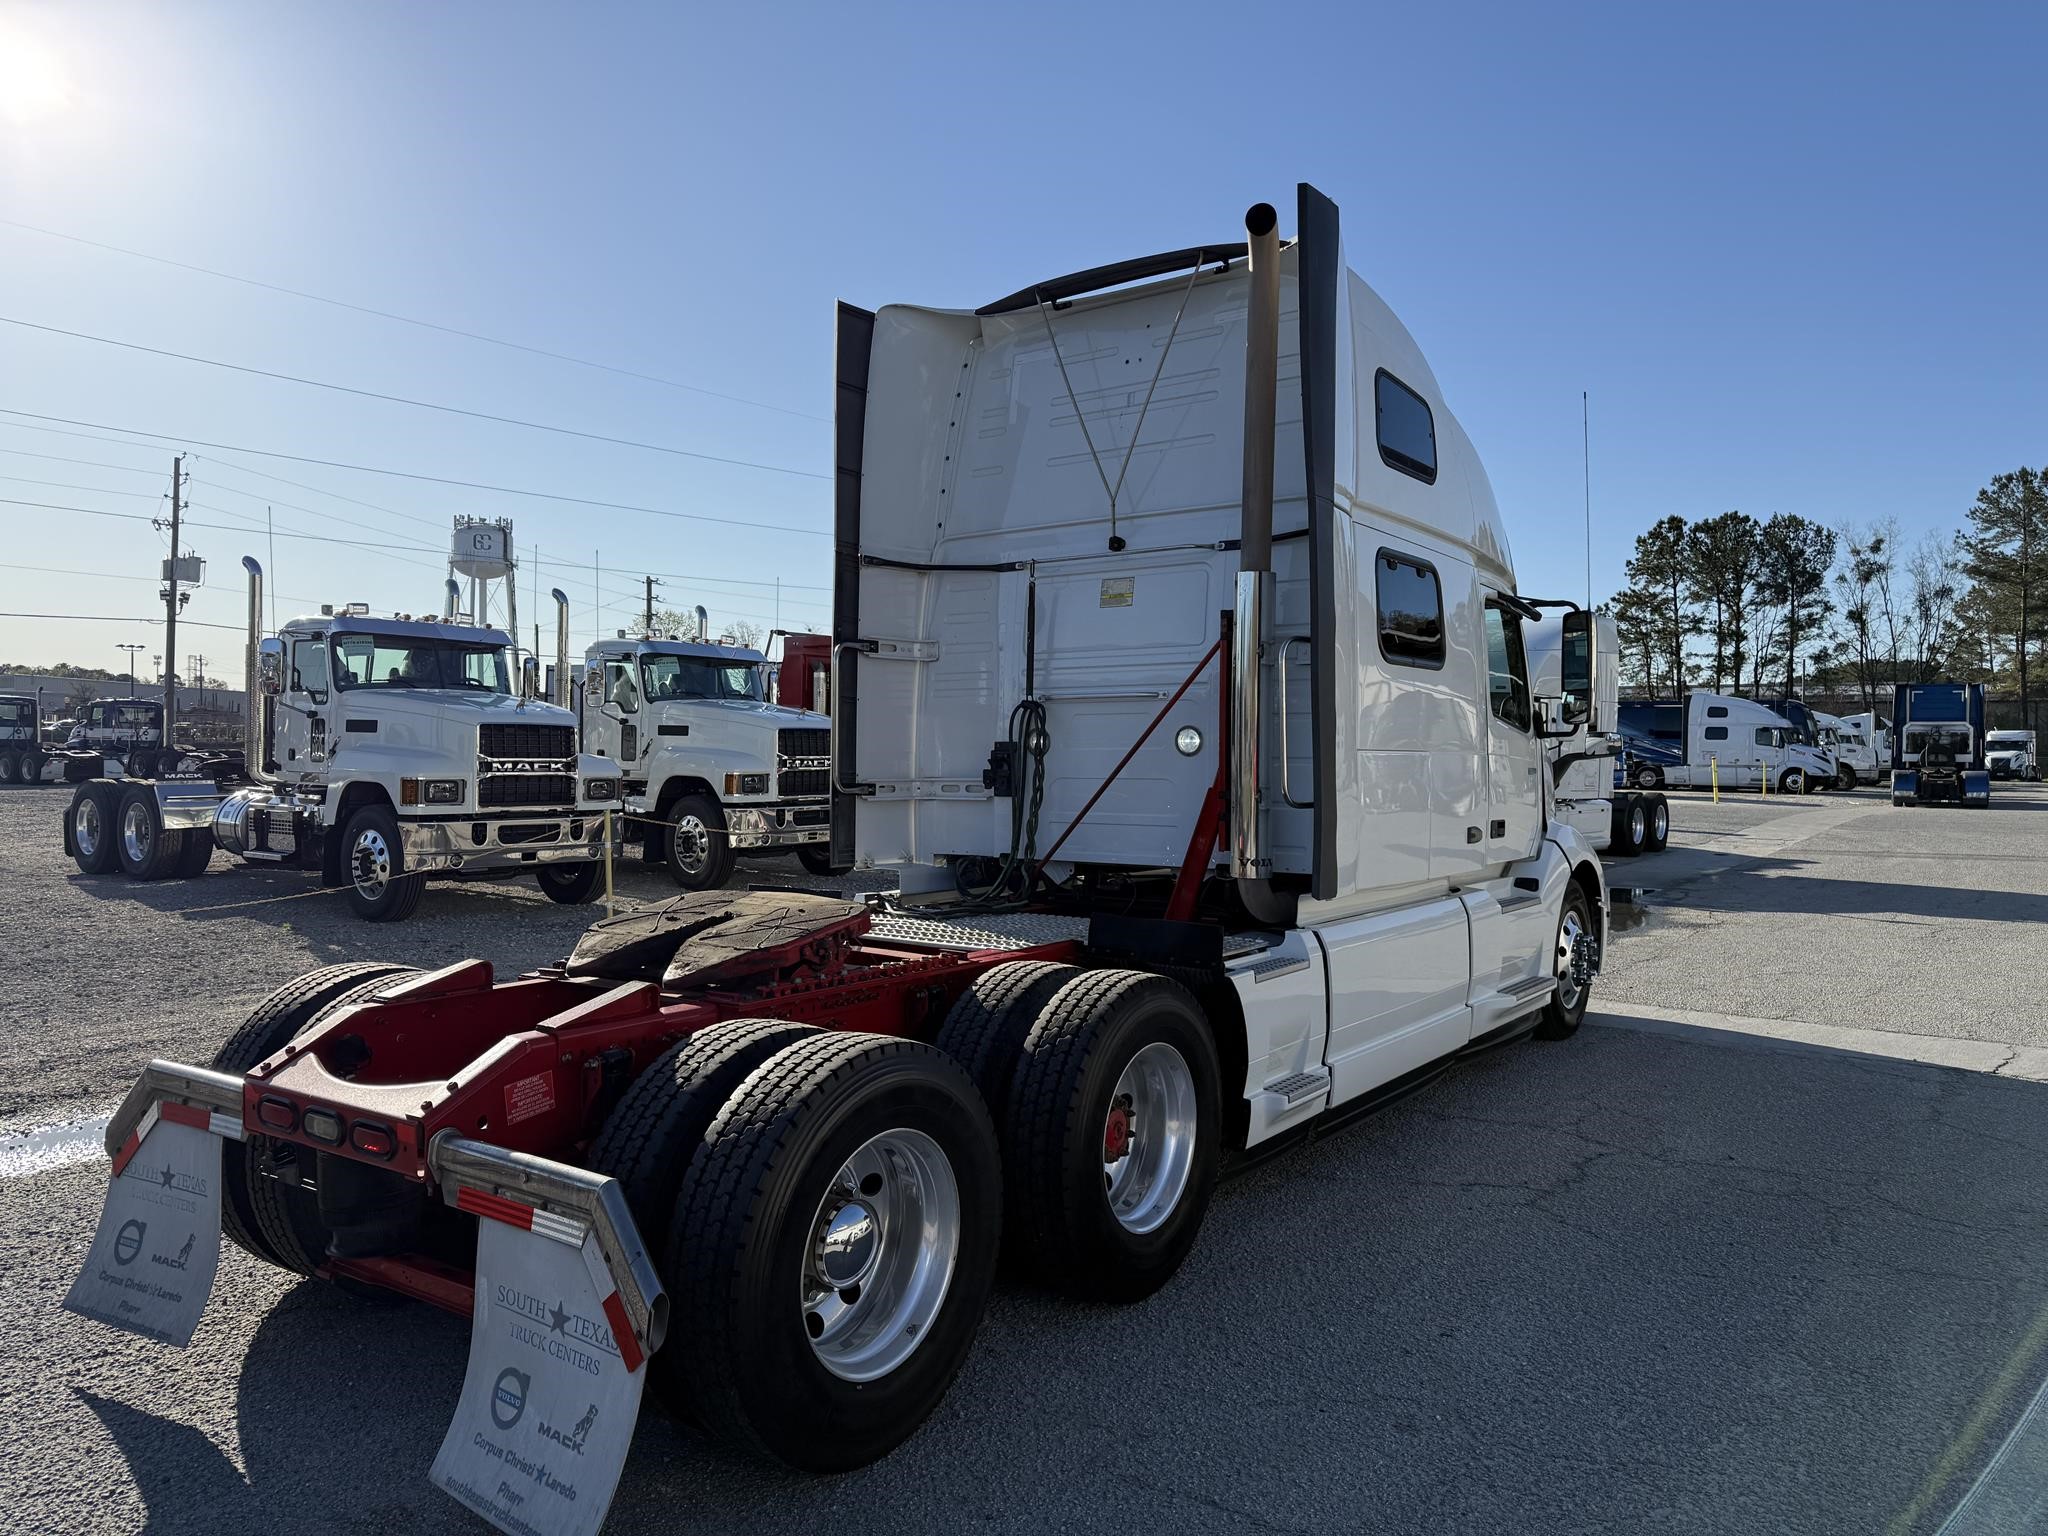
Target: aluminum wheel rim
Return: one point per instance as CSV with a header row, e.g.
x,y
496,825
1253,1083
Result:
x,y
1570,929
7,770
1638,826
1661,820
1148,1138
370,861
136,834
85,827
693,844
880,1256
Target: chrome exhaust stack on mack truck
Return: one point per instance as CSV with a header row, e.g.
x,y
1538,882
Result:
x,y
377,752
1147,902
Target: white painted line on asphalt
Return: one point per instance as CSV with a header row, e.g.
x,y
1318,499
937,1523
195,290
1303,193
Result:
x,y
26,1153
2007,1491
2023,1061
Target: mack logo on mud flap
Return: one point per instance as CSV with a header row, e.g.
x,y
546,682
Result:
x,y
151,1265
547,1409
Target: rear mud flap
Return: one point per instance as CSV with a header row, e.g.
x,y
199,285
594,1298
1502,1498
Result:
x,y
151,1266
567,1310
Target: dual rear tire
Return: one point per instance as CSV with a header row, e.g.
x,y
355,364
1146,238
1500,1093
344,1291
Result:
x,y
109,826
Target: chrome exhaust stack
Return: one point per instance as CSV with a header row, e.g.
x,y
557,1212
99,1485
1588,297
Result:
x,y
258,713
1249,862
703,623
561,646
452,608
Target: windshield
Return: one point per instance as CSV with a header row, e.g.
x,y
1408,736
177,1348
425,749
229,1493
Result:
x,y
14,712
383,661
2006,739
699,677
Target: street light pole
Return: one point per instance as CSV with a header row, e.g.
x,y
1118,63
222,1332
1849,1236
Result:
x,y
131,650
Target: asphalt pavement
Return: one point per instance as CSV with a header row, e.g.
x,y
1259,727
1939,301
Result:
x,y
1735,1258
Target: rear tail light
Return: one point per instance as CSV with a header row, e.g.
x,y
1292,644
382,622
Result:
x,y
277,1114
322,1125
375,1140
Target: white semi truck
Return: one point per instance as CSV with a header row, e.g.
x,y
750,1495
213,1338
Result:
x,y
1733,743
378,752
1218,797
21,728
712,767
1620,822
2012,755
1857,756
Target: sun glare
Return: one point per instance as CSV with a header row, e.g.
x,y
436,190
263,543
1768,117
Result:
x,y
33,84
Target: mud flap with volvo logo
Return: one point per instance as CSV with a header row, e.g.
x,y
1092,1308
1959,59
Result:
x,y
152,1261
548,1404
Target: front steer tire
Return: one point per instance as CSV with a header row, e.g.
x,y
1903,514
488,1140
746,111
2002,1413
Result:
x,y
1566,1009
748,1336
262,1214
380,890
700,854
1071,1215
570,885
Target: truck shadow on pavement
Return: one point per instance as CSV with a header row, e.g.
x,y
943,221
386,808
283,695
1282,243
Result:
x,y
1632,1281
1791,890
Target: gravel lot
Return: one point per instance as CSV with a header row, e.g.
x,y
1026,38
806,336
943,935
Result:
x,y
1676,1274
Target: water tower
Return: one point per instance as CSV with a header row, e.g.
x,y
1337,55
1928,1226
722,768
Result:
x,y
481,550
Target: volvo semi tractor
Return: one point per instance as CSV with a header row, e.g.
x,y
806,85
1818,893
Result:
x,y
1218,799
1730,743
712,767
1938,745
2012,755
1857,760
378,752
1590,783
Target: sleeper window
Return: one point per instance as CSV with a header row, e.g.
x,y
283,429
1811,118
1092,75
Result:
x,y
1407,434
1507,669
1411,605
1716,733
1717,711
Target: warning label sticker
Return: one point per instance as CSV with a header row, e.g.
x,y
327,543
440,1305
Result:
x,y
528,1097
547,1410
152,1261
1117,591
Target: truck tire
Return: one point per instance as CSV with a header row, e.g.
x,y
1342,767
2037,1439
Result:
x,y
195,855
1649,776
30,766
1845,777
1792,782
1113,1139
1658,835
10,768
652,1133
1566,1009
816,858
92,830
372,867
986,1027
1631,826
147,849
570,884
833,1248
700,856
289,1011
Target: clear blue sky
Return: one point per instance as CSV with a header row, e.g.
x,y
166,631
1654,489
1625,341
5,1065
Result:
x,y
1794,252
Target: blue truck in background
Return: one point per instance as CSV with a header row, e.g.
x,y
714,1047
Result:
x,y
1938,745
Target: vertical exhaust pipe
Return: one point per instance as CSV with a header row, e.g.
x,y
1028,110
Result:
x,y
561,646
1249,862
703,623
452,607
253,732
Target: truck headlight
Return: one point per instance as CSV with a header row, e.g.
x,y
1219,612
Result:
x,y
746,783
444,791
600,789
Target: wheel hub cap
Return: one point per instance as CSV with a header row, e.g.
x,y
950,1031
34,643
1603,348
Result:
x,y
1569,933
372,863
881,1255
690,835
1148,1138
135,833
85,830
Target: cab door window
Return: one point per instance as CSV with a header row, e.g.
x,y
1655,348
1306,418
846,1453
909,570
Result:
x,y
309,669
1507,668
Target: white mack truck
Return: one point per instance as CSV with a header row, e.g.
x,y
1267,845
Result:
x,y
1218,797
712,768
379,752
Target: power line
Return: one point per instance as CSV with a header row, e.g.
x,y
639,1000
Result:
x,y
385,314
402,474
425,405
111,618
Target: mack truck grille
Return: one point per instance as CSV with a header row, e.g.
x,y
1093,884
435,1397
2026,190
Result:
x,y
803,762
526,765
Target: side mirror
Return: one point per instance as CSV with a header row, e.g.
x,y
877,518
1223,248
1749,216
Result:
x,y
270,665
529,678
1579,668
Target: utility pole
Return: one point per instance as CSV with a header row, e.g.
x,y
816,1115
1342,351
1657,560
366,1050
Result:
x,y
171,604
199,677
